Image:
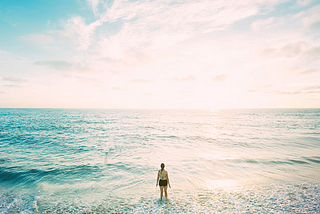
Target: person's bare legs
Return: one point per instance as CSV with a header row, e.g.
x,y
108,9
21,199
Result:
x,y
161,192
165,192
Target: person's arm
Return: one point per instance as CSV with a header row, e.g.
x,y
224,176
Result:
x,y
157,180
168,179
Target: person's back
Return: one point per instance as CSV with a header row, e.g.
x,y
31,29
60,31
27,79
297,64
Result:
x,y
163,174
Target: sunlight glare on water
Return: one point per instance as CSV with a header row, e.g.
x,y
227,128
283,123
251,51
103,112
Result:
x,y
228,161
225,184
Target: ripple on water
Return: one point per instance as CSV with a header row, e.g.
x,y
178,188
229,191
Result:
x,y
275,198
88,161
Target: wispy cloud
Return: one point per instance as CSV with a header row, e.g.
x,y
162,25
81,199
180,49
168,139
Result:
x,y
307,21
138,46
184,79
89,79
120,89
313,52
140,81
313,89
153,25
304,2
149,25
262,23
260,88
253,91
288,50
94,4
280,92
219,78
45,41
57,65
12,86
13,79
310,71
310,19
83,32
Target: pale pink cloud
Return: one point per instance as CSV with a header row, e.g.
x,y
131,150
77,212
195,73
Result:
x,y
154,25
310,19
219,78
262,23
304,2
83,32
94,4
184,79
120,89
141,81
45,41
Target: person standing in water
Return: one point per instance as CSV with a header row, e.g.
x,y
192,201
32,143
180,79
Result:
x,y
163,182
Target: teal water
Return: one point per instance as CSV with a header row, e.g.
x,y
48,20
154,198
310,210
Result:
x,y
106,161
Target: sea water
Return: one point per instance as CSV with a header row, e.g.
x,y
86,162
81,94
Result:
x,y
106,161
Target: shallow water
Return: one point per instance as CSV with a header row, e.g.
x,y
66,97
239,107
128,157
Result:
x,y
100,161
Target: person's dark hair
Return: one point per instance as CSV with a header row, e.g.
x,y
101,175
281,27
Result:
x,y
162,166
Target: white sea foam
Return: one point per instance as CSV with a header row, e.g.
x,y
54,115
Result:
x,y
231,161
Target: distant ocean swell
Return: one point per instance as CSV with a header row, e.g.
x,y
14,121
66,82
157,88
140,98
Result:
x,y
16,175
101,161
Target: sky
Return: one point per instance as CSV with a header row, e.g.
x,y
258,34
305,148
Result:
x,y
199,54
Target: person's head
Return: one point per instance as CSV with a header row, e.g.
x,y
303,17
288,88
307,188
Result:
x,y
162,166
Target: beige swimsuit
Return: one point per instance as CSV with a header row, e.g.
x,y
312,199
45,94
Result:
x,y
163,178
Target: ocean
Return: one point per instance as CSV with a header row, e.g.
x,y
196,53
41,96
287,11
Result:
x,y
106,161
